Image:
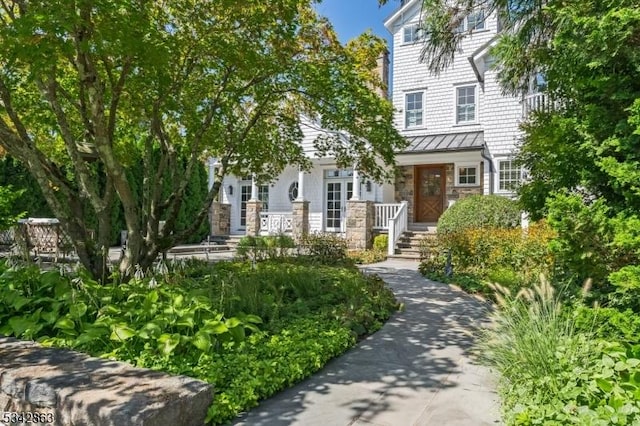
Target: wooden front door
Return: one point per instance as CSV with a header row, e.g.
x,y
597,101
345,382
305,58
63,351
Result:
x,y
430,190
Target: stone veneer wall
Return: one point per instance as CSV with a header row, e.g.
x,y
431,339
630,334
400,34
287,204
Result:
x,y
71,388
253,217
300,220
359,229
405,187
220,220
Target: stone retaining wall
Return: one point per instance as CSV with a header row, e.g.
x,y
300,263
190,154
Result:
x,y
80,390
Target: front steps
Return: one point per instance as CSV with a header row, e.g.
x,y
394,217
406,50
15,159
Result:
x,y
408,246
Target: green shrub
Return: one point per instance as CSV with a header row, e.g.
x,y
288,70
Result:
x,y
381,242
264,247
551,371
482,250
326,248
480,211
8,216
609,323
364,257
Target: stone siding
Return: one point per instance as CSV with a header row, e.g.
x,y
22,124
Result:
x,y
220,219
75,389
253,217
359,229
300,220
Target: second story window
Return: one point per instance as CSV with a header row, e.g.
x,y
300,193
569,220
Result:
x,y
473,22
411,33
413,110
465,104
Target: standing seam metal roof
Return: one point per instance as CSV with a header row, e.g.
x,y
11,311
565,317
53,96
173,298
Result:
x,y
445,142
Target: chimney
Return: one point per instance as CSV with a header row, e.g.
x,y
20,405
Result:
x,y
382,69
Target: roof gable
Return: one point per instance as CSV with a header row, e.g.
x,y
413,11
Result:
x,y
406,12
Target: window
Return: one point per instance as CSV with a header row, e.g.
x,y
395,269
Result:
x,y
411,33
465,104
467,175
473,22
245,195
510,175
413,114
293,191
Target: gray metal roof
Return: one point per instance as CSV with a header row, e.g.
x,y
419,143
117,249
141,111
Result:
x,y
449,142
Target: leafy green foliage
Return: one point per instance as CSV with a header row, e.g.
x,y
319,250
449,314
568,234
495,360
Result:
x,y
381,242
608,323
264,247
553,374
30,200
593,244
364,257
251,330
8,197
326,248
480,211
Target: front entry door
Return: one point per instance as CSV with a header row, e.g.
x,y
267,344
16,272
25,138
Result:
x,y
430,190
337,193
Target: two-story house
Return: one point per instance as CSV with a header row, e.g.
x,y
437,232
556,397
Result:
x,y
462,130
462,135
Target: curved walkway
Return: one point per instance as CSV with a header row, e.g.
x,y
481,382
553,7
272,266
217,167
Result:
x,y
416,370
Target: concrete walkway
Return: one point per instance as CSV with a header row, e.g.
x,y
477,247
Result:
x,y
416,370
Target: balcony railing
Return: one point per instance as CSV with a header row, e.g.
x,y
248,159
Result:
x,y
537,102
274,223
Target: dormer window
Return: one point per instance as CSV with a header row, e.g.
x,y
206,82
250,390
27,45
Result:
x,y
411,33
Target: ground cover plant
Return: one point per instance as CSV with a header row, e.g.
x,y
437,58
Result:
x,y
248,328
553,372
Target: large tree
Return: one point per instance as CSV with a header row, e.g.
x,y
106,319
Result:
x,y
90,87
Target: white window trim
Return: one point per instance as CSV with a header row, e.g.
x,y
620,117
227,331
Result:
x,y
404,111
455,105
467,164
402,33
465,23
497,173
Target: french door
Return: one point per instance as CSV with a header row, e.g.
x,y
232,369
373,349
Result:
x,y
337,192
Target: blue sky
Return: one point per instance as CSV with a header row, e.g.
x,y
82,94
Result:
x,y
351,18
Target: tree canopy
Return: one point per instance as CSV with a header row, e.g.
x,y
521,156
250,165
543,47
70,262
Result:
x,y
91,87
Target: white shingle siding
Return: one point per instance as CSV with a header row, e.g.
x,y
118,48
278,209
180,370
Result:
x,y
497,115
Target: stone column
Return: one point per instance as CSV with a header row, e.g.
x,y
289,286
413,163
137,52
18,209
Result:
x,y
220,224
300,221
253,217
360,224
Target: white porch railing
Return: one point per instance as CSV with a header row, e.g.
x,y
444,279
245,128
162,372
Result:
x,y
397,226
537,102
383,214
273,223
